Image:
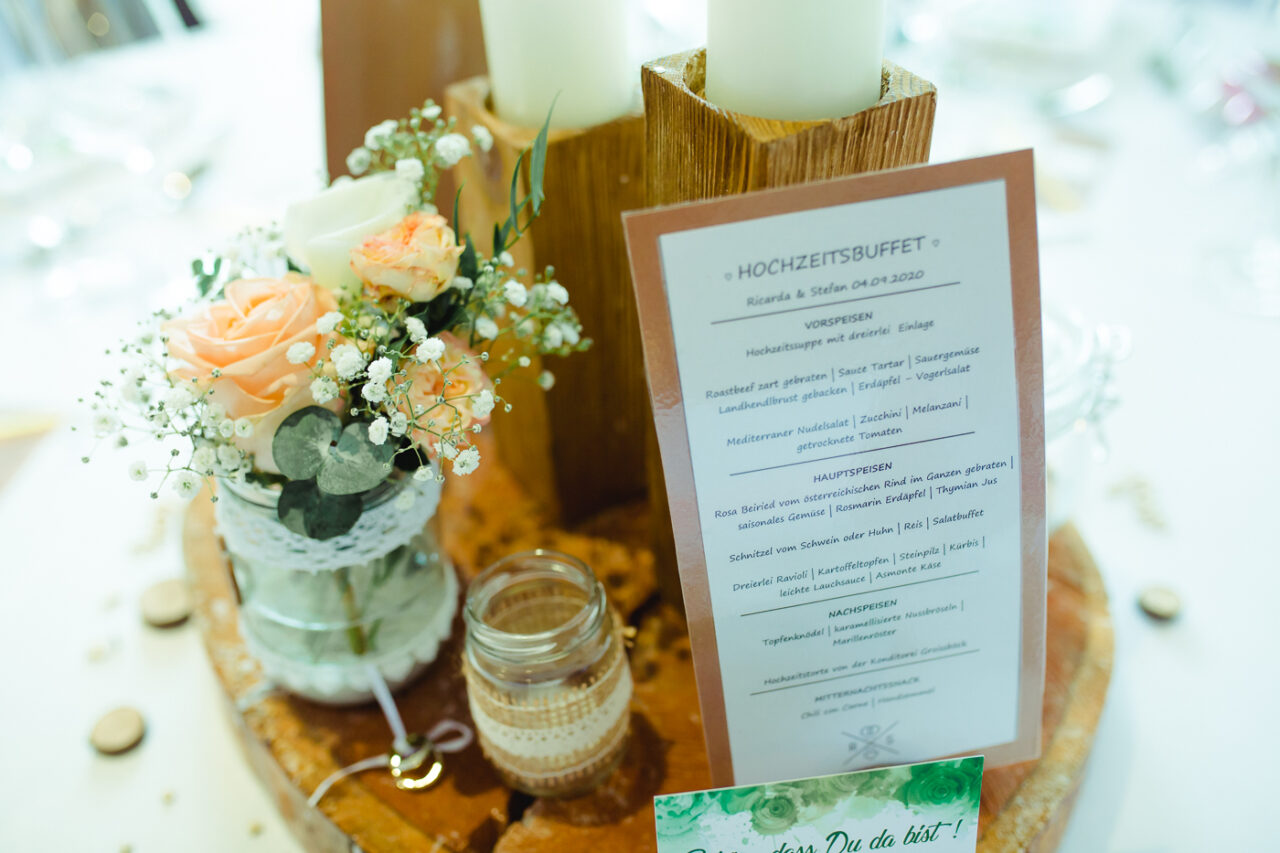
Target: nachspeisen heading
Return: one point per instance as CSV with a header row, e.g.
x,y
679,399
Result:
x,y
832,257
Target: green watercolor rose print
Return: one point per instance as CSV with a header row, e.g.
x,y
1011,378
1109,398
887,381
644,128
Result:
x,y
777,810
944,789
678,814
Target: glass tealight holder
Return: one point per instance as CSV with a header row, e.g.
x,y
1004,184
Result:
x,y
547,674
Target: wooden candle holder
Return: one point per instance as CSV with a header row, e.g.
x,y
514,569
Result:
x,y
581,447
696,150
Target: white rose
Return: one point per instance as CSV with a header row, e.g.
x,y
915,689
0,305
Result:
x,y
320,233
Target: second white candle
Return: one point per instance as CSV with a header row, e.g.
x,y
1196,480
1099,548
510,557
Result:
x,y
537,49
794,59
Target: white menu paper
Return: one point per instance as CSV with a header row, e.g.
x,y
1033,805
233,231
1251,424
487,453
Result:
x,y
849,385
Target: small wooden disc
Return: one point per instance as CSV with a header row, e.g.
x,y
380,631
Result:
x,y
167,603
118,731
1160,602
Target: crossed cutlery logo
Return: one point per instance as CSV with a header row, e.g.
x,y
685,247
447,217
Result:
x,y
870,743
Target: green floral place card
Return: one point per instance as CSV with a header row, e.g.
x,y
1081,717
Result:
x,y
931,806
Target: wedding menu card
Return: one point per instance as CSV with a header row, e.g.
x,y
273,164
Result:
x,y
847,387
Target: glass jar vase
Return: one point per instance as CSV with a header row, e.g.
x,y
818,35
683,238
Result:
x,y
547,674
317,614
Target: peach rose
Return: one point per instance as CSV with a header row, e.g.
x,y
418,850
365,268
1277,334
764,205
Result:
x,y
416,259
468,396
246,338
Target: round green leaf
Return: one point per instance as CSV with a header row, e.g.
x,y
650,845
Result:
x,y
302,441
356,464
309,512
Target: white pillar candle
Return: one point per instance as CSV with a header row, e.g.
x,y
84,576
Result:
x,y
794,59
576,48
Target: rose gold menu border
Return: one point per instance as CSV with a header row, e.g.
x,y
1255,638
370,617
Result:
x,y
643,230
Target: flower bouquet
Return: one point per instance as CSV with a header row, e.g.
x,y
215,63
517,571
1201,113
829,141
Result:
x,y
328,376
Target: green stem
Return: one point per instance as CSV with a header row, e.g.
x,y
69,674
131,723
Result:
x,y
355,634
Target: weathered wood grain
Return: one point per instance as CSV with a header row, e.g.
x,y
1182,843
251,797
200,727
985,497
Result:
x,y
582,448
292,744
697,150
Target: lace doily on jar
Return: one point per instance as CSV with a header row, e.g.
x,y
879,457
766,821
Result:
x,y
344,683
257,535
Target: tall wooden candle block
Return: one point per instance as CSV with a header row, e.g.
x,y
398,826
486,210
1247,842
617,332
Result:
x,y
582,446
696,150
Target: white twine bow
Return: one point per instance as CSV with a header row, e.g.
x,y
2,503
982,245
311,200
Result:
x,y
447,736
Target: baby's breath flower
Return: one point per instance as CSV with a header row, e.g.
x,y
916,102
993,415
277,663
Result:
x,y
410,169
379,134
422,474
358,161
483,138
399,423
328,322
229,459
432,349
462,283
523,361
569,332
178,398
374,392
446,449
486,328
300,353
417,331
482,405
131,386
515,293
380,370
431,111
556,291
226,428
347,360
244,427
506,260
186,484
323,390
451,148
204,459
378,430
466,461
546,380
553,337
138,471
105,423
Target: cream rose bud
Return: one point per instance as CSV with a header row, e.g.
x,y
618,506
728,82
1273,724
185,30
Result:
x,y
320,233
415,259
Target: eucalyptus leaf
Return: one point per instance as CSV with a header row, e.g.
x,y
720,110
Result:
x,y
302,442
468,264
513,220
356,464
309,512
538,161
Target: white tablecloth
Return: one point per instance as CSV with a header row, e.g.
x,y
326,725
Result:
x,y
1183,755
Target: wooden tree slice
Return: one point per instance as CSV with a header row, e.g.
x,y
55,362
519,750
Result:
x,y
293,744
